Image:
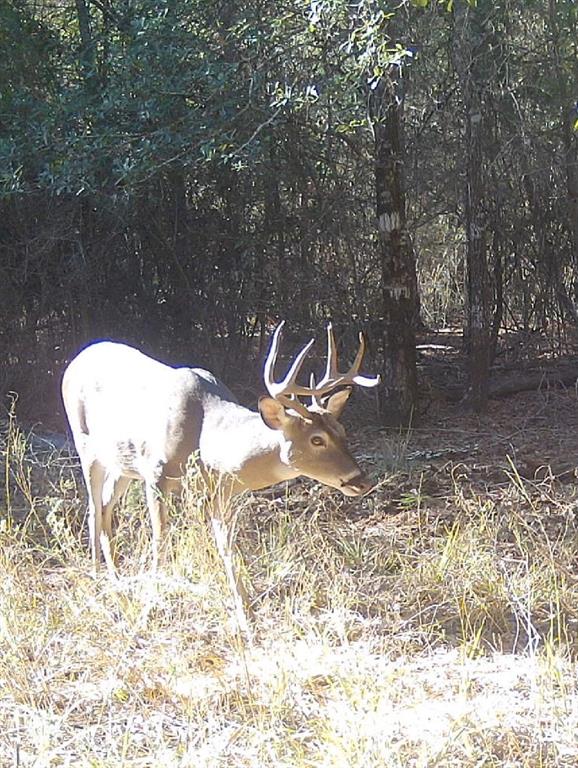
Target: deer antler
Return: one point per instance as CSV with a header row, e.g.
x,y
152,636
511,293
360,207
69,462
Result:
x,y
333,378
288,390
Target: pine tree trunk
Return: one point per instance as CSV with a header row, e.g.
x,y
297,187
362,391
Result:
x,y
398,390
477,330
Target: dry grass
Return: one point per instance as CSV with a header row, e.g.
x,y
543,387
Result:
x,y
434,624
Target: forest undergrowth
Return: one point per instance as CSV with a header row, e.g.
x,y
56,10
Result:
x,y
433,623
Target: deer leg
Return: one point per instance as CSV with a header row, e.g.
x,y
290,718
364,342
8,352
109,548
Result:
x,y
224,539
94,478
113,489
158,513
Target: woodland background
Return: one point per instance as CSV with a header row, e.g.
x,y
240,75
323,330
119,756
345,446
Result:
x,y
180,175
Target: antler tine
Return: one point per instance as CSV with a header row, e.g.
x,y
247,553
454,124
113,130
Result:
x,y
333,378
271,358
331,370
288,385
315,399
362,381
359,356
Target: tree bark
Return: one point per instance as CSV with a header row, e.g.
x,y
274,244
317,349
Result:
x,y
87,50
477,328
398,390
565,72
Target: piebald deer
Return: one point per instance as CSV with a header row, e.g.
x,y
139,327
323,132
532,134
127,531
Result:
x,y
133,417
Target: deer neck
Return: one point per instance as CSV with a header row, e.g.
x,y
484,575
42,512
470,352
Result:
x,y
235,441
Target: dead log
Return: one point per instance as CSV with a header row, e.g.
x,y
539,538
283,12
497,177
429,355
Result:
x,y
504,384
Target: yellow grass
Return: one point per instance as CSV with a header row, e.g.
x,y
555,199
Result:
x,y
433,624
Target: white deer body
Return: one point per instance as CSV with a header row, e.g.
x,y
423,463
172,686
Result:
x,y
133,417
142,419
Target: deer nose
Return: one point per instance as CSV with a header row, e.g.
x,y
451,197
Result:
x,y
357,485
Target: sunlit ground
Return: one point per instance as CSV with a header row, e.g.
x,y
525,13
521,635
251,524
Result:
x,y
432,624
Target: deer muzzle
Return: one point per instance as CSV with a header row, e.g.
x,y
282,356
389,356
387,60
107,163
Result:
x,y
357,485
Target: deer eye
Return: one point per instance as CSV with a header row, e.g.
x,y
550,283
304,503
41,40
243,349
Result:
x,y
318,441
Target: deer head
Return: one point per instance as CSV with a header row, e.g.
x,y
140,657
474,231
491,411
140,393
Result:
x,y
314,442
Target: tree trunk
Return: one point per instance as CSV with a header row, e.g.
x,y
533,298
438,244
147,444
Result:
x,y
477,327
87,50
398,390
565,72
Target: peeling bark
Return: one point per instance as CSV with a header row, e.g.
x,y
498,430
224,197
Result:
x,y
398,391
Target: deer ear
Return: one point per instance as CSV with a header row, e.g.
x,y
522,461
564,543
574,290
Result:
x,y
273,413
336,403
